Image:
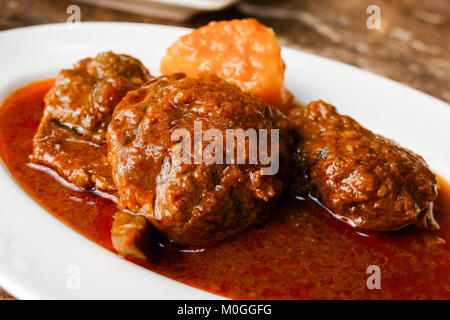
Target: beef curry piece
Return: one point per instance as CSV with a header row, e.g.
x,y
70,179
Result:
x,y
78,159
84,97
131,235
364,179
78,109
192,203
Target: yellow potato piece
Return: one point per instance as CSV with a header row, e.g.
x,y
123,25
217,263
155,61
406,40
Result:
x,y
243,52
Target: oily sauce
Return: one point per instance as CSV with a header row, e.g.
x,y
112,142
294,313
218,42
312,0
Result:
x,y
298,253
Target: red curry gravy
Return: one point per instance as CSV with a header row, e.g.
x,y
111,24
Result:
x,y
298,253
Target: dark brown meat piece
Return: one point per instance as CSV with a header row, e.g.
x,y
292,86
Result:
x,y
78,109
84,97
131,235
192,204
364,179
76,158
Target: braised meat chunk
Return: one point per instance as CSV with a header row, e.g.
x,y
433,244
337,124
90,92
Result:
x,y
83,98
364,179
131,235
76,158
192,201
78,109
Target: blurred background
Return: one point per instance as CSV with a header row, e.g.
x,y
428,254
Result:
x,y
405,40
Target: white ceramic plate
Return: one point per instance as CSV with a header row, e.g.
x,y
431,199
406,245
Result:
x,y
37,251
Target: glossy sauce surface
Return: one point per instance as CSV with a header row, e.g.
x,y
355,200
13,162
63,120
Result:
x,y
298,253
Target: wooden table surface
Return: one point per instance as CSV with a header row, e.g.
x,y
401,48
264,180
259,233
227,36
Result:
x,y
412,46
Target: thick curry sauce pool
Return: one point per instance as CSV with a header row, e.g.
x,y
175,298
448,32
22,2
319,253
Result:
x,y
298,253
